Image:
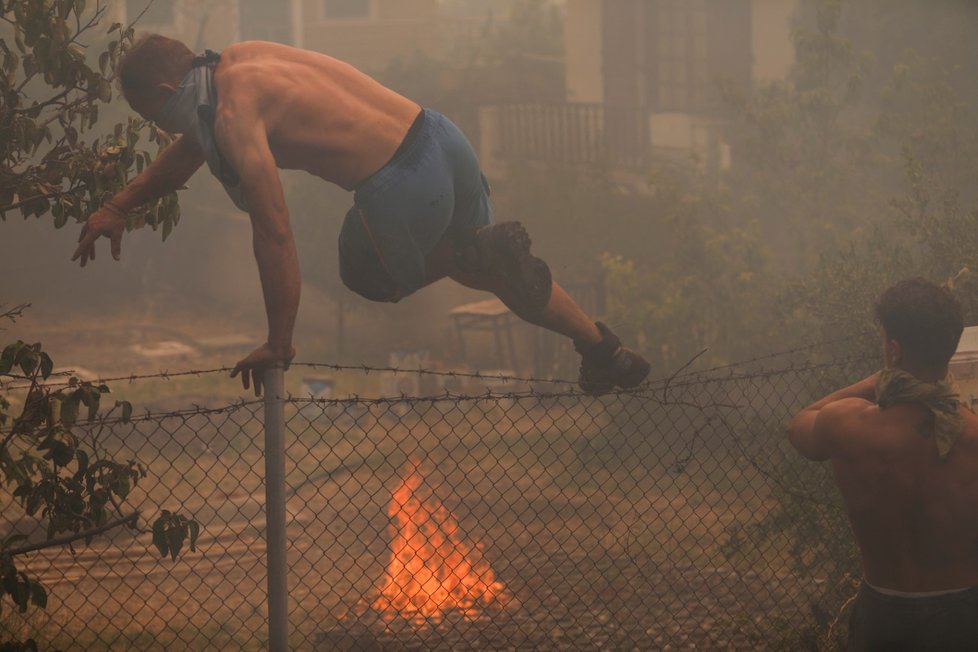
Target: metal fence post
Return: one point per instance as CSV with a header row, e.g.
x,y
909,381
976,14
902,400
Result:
x,y
278,612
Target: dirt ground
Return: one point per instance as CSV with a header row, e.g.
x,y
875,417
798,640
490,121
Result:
x,y
604,542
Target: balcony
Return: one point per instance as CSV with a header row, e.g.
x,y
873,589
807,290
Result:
x,y
627,139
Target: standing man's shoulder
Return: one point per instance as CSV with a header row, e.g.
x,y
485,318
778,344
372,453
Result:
x,y
819,431
847,415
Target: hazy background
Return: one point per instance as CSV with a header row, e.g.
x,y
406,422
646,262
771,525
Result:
x,y
742,175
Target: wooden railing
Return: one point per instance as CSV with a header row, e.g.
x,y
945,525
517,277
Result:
x,y
574,133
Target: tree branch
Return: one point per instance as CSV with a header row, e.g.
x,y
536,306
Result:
x,y
13,313
23,202
50,195
48,102
71,538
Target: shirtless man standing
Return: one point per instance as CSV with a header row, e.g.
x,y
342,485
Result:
x,y
905,456
421,209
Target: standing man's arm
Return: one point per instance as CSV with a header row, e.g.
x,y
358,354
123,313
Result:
x,y
241,135
812,431
167,173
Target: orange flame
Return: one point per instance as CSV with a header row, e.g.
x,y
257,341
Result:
x,y
432,571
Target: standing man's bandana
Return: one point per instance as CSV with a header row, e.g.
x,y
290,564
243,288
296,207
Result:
x,y
191,111
941,400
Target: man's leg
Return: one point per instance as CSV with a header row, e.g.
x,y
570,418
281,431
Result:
x,y
561,314
605,363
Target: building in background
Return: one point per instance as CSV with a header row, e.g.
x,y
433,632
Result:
x,y
643,81
642,77
198,23
370,34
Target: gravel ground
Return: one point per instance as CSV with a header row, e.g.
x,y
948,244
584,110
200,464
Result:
x,y
594,604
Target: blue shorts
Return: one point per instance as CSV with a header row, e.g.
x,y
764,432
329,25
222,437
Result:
x,y
430,189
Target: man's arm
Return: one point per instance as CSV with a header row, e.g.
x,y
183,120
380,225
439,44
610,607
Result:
x,y
241,135
167,173
812,432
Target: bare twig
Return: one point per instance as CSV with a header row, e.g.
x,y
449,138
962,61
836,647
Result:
x,y
71,538
665,387
13,313
830,633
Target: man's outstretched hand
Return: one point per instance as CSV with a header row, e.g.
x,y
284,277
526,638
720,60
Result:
x,y
252,367
104,221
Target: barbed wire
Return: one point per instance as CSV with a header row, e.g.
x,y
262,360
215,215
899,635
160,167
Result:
x,y
660,391
131,378
473,375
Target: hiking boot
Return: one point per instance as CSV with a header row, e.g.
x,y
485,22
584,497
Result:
x,y
501,252
608,364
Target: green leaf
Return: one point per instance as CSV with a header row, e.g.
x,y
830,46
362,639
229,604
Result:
x,y
122,488
194,533
174,539
9,580
82,461
23,591
39,597
33,503
159,536
126,410
90,396
9,356
47,366
61,454
27,361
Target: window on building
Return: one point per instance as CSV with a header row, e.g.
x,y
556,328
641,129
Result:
x,y
159,12
346,9
678,55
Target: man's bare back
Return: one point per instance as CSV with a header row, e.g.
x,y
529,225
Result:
x,y
320,114
915,518
904,451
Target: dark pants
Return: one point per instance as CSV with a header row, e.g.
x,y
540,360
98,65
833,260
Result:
x,y
887,623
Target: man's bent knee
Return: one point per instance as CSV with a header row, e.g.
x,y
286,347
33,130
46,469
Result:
x,y
500,254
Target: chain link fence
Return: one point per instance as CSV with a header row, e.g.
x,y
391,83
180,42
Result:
x,y
513,515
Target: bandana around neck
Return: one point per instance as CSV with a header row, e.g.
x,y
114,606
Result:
x,y
941,400
179,114
191,111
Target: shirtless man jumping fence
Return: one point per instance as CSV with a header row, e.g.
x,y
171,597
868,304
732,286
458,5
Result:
x,y
421,207
905,455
